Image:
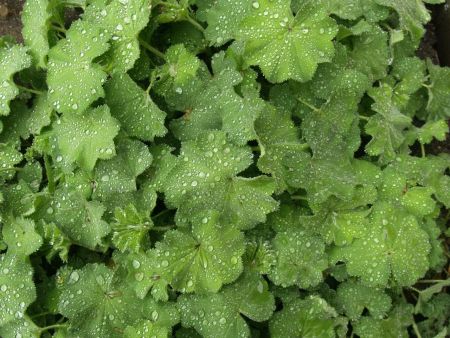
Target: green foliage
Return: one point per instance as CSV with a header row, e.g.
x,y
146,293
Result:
x,y
13,58
228,168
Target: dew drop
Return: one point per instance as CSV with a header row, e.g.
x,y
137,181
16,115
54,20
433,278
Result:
x,y
74,277
136,264
260,287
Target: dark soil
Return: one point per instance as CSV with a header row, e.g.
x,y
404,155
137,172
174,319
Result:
x,y
10,18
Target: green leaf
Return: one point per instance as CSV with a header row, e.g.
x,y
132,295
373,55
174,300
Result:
x,y
394,248
387,126
232,113
23,326
321,178
409,73
310,317
287,46
336,223
438,99
13,58
180,68
21,237
306,269
16,287
395,326
437,312
74,80
35,19
58,242
130,229
278,138
19,199
122,21
300,255
9,157
223,20
138,115
370,53
146,329
201,260
99,303
118,175
413,15
86,138
204,177
79,219
354,297
26,121
432,130
354,9
220,315
418,201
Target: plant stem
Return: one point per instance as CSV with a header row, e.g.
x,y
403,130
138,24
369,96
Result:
x,y
299,198
59,29
150,85
195,23
309,105
161,213
49,173
8,169
416,330
41,314
152,49
33,91
362,117
50,327
163,228
422,150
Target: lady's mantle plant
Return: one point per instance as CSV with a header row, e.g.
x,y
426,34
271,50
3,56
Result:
x,y
226,168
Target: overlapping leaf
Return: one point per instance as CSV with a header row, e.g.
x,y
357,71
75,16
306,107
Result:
x,y
13,58
287,46
205,177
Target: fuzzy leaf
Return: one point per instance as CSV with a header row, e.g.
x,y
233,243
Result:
x,y
287,46
35,19
394,248
74,81
16,287
311,317
13,58
201,260
220,315
205,169
86,138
